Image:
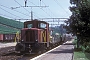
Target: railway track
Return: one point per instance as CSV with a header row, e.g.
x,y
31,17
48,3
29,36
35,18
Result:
x,y
9,53
16,56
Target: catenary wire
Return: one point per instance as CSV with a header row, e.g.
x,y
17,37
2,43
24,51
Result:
x,y
23,7
14,10
9,12
61,7
49,10
40,8
7,16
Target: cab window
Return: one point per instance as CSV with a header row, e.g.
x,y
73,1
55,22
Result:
x,y
42,25
29,26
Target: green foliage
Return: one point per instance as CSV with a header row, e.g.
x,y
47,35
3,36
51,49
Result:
x,y
8,26
75,41
79,22
58,29
86,47
11,23
81,56
7,30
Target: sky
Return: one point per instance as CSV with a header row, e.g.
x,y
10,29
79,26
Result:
x,y
53,9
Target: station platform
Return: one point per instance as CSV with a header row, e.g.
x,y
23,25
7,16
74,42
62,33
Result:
x,y
62,52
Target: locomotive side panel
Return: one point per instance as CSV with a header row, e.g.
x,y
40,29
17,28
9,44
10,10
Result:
x,y
23,35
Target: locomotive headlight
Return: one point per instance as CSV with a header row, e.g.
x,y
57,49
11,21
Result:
x,y
22,40
36,41
29,45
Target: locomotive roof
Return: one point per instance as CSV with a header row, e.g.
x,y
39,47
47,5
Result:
x,y
31,28
32,21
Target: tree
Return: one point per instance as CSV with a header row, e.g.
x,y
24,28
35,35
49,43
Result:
x,y
79,22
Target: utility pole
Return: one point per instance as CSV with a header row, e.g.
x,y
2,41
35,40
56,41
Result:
x,y
31,15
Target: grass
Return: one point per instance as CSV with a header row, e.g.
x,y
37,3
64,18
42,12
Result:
x,y
81,56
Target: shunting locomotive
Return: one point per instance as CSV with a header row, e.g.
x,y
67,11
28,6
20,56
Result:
x,y
35,37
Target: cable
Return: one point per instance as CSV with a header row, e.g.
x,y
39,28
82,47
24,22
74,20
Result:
x,y
14,10
33,4
45,12
8,12
61,6
6,16
36,16
49,9
41,9
21,5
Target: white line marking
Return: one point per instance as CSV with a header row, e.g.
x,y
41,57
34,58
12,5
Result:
x,y
46,52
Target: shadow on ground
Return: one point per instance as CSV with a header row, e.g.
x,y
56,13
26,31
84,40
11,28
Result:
x,y
87,55
62,51
68,44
